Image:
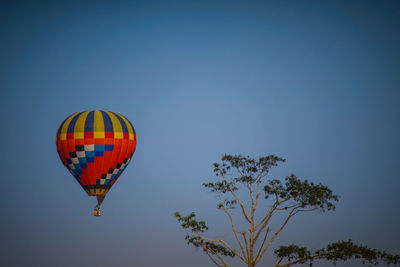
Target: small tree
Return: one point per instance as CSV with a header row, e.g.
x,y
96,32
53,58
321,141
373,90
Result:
x,y
293,197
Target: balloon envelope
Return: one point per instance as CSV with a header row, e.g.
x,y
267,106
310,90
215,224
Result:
x,y
96,146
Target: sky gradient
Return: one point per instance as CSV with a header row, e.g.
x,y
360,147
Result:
x,y
316,83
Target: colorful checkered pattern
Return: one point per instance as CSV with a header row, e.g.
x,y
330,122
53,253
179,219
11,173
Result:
x,y
96,146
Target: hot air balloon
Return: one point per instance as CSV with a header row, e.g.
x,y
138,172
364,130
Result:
x,y
96,146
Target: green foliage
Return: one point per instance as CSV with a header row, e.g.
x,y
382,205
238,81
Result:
x,y
307,194
250,171
293,252
338,251
221,187
229,204
191,223
208,246
197,227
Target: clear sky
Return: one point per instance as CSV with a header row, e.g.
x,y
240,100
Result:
x,y
316,82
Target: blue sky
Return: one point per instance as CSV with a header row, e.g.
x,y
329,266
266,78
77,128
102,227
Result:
x,y
316,83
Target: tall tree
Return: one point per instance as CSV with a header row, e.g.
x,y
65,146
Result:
x,y
292,196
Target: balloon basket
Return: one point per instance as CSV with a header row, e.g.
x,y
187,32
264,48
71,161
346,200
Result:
x,y
96,211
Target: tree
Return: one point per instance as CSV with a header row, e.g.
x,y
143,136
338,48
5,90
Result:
x,y
292,197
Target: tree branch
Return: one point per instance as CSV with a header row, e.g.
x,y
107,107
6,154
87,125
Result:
x,y
233,229
225,244
237,199
245,242
212,259
262,244
274,236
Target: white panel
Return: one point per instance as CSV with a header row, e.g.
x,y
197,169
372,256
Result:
x,y
89,147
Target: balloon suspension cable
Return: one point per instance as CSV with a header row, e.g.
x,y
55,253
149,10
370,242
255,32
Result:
x,y
100,199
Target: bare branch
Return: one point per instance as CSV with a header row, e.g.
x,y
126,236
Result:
x,y
262,244
233,227
237,199
275,235
257,193
212,259
267,217
245,242
305,210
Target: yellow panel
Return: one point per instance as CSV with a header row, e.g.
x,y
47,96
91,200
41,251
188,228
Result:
x,y
80,125
65,127
98,122
116,125
99,135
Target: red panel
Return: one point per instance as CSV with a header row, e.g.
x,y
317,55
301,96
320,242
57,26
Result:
x,y
99,141
107,161
65,149
79,142
60,150
89,141
89,135
124,149
116,151
109,134
109,141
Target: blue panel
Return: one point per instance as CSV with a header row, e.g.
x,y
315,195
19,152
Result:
x,y
83,165
82,160
99,147
108,126
89,123
107,181
89,154
79,171
90,159
109,147
77,166
99,153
